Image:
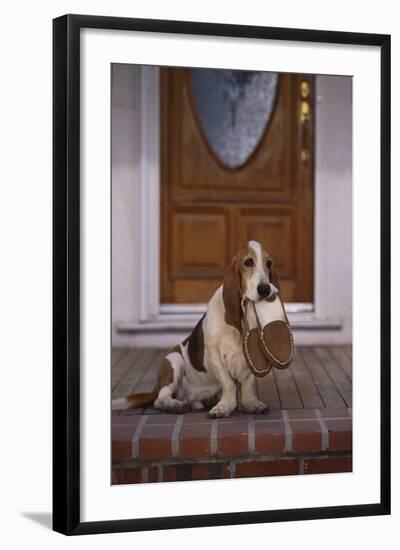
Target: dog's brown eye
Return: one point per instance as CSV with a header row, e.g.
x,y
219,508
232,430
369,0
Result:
x,y
249,262
268,263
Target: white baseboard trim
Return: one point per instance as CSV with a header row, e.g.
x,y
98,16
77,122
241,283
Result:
x,y
166,340
169,324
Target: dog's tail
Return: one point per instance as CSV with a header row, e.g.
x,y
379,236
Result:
x,y
134,400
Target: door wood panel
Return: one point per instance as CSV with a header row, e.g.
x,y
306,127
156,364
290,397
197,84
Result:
x,y
209,210
275,230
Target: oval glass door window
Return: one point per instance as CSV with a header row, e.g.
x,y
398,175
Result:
x,y
234,109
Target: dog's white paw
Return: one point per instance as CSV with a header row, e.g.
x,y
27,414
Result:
x,y
222,409
254,406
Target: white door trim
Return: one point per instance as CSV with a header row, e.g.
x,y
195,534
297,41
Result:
x,y
148,209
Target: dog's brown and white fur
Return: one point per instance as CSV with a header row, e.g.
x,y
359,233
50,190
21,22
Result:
x,y
209,364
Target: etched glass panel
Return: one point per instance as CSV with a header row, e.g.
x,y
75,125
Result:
x,y
234,109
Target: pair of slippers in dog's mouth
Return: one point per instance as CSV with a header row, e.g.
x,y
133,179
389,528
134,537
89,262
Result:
x,y
267,336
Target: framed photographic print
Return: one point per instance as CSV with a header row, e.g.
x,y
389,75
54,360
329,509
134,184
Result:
x,y
221,274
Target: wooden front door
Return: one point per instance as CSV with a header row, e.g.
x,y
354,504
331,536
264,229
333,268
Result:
x,y
210,209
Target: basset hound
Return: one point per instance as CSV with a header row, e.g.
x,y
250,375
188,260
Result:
x,y
209,365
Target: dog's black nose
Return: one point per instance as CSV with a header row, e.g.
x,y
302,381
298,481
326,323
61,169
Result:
x,y
263,290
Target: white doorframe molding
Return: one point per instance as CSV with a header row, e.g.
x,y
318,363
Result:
x,y
148,210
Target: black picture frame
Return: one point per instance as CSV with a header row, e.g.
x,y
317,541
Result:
x,y
66,273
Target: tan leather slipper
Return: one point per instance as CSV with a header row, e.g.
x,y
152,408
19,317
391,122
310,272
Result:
x,y
267,338
275,333
252,350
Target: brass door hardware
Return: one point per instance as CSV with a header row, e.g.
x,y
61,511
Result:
x,y
305,116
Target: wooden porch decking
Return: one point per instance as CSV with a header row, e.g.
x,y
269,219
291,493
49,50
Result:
x,y
319,377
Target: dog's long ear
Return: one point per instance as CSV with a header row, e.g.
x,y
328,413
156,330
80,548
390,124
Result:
x,y
274,277
231,296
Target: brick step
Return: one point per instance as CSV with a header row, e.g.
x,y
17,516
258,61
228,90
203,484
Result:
x,y
195,436
148,446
